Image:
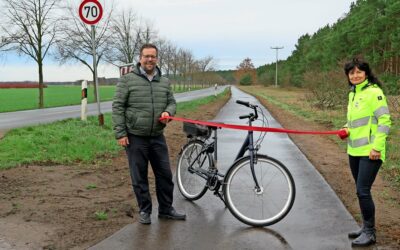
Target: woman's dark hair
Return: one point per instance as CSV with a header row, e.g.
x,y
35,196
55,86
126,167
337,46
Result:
x,y
364,66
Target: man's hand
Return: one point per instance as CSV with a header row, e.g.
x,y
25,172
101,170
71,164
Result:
x,y
374,155
123,141
164,114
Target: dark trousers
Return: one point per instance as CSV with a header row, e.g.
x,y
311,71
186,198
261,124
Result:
x,y
140,151
364,172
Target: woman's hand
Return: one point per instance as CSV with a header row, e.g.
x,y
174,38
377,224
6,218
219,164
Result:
x,y
343,133
374,155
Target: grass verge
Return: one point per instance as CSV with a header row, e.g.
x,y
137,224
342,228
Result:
x,y
69,141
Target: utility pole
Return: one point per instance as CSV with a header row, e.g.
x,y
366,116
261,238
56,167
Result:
x,y
276,70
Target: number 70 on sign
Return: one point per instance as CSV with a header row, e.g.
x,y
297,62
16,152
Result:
x,y
90,11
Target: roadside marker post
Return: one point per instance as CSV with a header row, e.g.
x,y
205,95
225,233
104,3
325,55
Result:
x,y
84,101
90,12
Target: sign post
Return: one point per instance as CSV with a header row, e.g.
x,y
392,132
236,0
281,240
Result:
x,y
90,12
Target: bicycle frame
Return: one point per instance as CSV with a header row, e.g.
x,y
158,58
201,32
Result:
x,y
248,145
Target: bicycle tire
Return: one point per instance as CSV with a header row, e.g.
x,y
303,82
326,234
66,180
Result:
x,y
190,184
267,206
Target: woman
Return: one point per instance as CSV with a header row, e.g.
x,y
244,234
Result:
x,y
368,123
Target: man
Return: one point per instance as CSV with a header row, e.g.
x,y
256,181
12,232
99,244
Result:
x,y
141,98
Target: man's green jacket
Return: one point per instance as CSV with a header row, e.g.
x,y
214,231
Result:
x,y
138,104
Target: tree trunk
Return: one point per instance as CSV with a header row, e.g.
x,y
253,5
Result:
x,y
41,99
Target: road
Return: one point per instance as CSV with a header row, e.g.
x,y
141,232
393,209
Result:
x,y
318,219
17,119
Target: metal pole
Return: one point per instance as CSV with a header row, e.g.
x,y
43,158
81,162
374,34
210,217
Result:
x,y
276,65
96,82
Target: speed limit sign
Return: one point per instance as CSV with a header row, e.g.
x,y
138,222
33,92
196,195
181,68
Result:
x,y
90,11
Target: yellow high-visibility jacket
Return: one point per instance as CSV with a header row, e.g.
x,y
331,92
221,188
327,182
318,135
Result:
x,y
368,120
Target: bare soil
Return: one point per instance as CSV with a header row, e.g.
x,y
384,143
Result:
x,y
53,207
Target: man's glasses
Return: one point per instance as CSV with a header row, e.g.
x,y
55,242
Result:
x,y
149,56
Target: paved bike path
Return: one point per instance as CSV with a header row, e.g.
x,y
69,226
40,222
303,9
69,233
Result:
x,y
318,219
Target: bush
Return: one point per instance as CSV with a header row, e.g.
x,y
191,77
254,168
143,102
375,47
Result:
x,y
391,84
266,79
246,80
329,90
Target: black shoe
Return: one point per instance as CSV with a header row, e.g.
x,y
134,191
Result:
x,y
355,234
172,215
365,239
144,218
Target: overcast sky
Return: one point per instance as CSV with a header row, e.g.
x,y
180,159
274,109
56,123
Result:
x,y
228,30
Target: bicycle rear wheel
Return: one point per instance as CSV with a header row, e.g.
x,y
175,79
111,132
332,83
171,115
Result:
x,y
261,207
191,185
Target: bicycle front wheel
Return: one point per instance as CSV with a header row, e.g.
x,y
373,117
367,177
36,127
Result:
x,y
268,204
191,163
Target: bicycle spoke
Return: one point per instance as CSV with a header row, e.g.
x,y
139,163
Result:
x,y
263,206
190,183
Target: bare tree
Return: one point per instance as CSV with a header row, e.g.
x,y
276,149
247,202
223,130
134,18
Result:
x,y
207,64
30,29
4,43
148,34
76,42
127,35
170,53
162,45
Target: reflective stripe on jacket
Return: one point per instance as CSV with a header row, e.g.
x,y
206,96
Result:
x,y
368,120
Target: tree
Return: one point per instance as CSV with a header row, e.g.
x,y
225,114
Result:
x,y
30,29
246,64
76,42
207,64
246,67
127,34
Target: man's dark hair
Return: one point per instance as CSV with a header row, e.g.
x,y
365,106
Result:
x,y
148,46
361,65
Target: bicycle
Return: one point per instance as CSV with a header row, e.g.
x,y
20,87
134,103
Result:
x,y
257,189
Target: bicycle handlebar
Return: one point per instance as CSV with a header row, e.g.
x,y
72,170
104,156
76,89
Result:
x,y
250,116
247,104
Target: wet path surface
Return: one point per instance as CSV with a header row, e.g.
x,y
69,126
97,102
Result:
x,y
318,219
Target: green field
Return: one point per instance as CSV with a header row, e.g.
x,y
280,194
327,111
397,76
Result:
x,y
54,96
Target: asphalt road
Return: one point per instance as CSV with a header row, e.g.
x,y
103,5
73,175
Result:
x,y
318,219
17,119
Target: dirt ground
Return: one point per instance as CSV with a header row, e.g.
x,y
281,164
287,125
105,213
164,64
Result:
x,y
53,207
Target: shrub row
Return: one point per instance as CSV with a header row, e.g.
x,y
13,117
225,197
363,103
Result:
x,y
20,85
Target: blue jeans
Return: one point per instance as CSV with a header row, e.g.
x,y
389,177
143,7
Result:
x,y
364,172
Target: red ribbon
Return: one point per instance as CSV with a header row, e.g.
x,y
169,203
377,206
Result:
x,y
341,133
